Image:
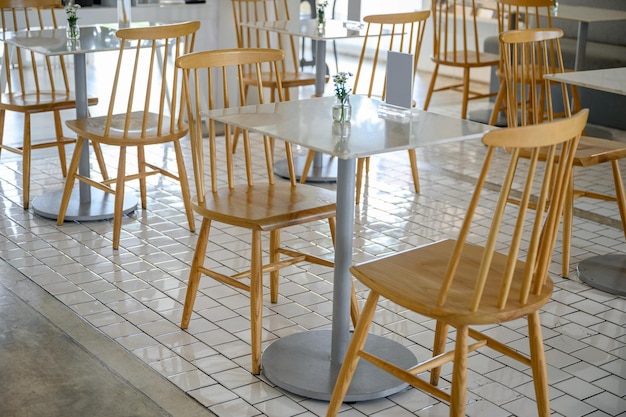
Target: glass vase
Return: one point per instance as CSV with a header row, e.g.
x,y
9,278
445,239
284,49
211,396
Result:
x,y
321,19
72,31
123,13
342,109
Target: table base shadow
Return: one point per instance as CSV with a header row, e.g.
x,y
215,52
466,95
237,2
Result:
x,y
324,171
300,363
605,272
100,207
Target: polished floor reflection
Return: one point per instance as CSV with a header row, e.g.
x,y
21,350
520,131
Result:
x,y
134,295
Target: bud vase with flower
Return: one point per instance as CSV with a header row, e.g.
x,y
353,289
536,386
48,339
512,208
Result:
x,y
342,109
321,14
72,31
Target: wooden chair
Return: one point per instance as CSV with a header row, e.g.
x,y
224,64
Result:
x,y
145,109
258,204
399,32
456,44
462,284
247,11
516,15
527,56
31,84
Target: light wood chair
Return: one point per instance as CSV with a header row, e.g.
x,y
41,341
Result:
x,y
145,110
467,282
248,11
516,15
527,56
398,32
256,204
457,44
31,84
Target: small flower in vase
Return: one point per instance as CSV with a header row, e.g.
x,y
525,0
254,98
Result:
x,y
321,14
342,109
72,30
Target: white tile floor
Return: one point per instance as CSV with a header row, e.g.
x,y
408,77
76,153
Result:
x,y
135,294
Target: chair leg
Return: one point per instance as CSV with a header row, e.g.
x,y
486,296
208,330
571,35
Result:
x,y
69,181
568,224
61,147
538,364
359,179
26,153
414,172
466,91
194,272
620,195
274,258
307,166
141,164
256,300
352,355
97,150
431,87
119,198
497,105
458,395
439,346
2,119
184,185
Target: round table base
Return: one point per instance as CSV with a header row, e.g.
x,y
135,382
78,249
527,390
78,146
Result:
x,y
300,363
605,272
100,207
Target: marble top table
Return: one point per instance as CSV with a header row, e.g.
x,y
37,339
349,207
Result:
x,y
307,363
605,272
87,203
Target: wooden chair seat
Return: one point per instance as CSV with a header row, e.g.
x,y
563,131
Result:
x,y
94,127
268,207
413,280
42,101
467,59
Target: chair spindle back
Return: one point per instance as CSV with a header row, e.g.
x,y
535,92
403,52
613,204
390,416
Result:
x,y
524,270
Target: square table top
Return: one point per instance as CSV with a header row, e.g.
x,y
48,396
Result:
x,y
51,42
307,28
612,80
309,123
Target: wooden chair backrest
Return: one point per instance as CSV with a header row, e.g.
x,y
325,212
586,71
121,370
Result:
x,y
455,30
220,74
26,71
249,11
527,55
523,14
146,83
406,32
533,237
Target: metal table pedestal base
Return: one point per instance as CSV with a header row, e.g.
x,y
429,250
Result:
x,y
605,272
326,171
101,206
300,363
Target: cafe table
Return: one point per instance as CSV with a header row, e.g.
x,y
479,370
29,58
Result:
x,y
307,363
86,203
324,168
605,272
585,15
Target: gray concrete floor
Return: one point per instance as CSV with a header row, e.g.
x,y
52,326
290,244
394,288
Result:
x,y
52,363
